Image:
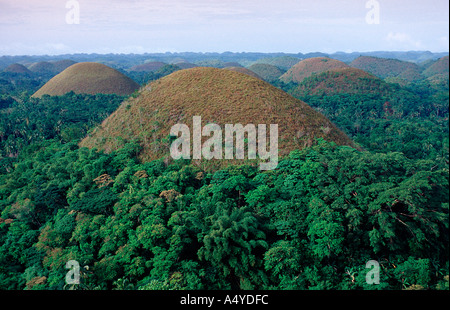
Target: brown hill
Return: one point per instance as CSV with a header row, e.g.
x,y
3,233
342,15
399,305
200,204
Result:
x,y
310,66
388,68
244,71
441,66
217,96
17,68
88,78
42,67
185,65
267,72
61,65
342,80
148,67
282,62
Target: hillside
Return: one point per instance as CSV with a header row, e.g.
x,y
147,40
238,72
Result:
x,y
310,66
148,67
340,81
267,72
388,68
244,71
185,65
88,78
61,65
218,96
441,66
43,68
17,68
282,62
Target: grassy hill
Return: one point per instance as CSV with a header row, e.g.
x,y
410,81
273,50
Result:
x,y
88,78
43,68
282,62
267,72
17,68
388,68
341,80
148,67
185,65
61,65
441,66
218,96
244,71
310,66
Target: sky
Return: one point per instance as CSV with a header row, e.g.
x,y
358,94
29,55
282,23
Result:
x,y
54,27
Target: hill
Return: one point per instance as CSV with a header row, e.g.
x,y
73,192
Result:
x,y
218,96
88,78
282,62
441,66
244,71
43,68
61,65
310,66
185,65
148,67
17,68
340,81
388,68
267,72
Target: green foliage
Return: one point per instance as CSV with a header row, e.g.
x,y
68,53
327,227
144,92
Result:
x,y
312,223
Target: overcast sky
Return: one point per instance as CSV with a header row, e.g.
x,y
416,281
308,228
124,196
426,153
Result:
x,y
34,27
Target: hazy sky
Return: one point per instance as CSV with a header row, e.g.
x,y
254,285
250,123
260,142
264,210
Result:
x,y
138,26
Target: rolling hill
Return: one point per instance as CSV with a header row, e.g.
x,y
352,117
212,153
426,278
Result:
x,y
310,66
244,71
17,68
185,65
88,78
43,68
388,68
61,65
218,96
148,67
441,66
282,62
267,72
339,81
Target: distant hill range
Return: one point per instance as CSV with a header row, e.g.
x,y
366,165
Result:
x,y
283,61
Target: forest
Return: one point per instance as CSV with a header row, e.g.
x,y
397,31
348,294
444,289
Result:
x,y
311,224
